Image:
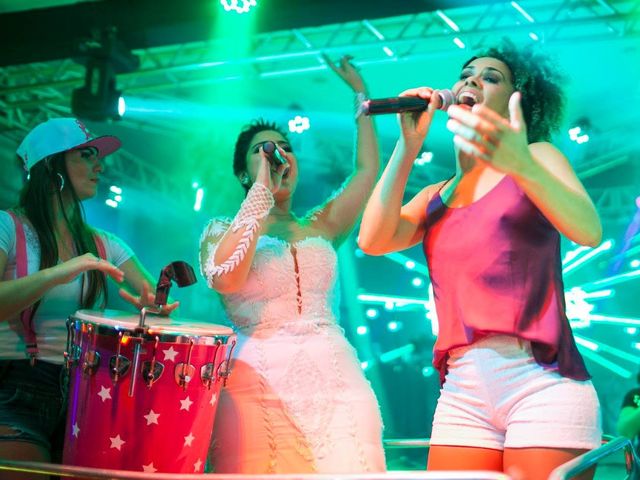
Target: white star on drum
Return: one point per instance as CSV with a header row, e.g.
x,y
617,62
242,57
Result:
x,y
151,417
197,466
170,354
76,430
188,440
186,404
214,397
149,468
104,393
117,442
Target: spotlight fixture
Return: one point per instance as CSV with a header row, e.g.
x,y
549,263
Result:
x,y
99,99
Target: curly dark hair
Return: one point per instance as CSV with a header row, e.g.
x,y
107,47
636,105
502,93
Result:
x,y
538,78
244,140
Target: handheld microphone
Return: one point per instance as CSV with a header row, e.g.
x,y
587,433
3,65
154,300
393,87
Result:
x,y
273,154
405,104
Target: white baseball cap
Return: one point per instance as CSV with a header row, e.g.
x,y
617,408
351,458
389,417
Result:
x,y
59,135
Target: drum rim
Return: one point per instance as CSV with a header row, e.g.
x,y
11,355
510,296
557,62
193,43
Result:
x,y
180,332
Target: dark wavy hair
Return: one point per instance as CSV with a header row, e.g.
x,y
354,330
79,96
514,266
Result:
x,y
244,140
538,78
35,204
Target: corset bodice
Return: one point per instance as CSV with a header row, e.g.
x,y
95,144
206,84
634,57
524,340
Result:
x,y
290,286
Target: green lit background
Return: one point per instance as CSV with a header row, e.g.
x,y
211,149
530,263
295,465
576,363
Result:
x,y
206,70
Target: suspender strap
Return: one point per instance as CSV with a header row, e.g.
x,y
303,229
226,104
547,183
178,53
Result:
x,y
102,251
26,316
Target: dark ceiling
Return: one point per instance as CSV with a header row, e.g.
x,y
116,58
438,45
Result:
x,y
54,33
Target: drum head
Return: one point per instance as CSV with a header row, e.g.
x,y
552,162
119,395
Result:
x,y
120,320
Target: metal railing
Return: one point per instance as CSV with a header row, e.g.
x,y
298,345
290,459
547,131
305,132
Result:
x,y
590,459
67,471
407,443
565,471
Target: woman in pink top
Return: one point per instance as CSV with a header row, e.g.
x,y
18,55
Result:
x,y
516,396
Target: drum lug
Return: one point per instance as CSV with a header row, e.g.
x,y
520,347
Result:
x,y
118,367
72,351
184,374
224,370
207,374
91,362
71,358
151,372
76,351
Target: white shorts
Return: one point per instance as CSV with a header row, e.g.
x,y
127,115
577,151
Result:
x,y
496,396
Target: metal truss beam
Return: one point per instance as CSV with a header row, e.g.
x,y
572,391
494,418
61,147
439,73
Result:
x,y
405,38
30,93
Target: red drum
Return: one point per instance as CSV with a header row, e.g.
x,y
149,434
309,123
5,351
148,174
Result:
x,y
143,399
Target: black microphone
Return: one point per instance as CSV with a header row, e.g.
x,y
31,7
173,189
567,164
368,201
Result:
x,y
273,154
405,104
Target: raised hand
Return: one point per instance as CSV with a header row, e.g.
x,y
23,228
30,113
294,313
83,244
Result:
x,y
67,271
347,72
147,299
485,136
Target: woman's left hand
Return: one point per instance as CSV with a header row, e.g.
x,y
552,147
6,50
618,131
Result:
x,y
347,72
489,138
147,299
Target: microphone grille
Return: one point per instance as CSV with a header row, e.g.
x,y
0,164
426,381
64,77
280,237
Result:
x,y
269,147
448,99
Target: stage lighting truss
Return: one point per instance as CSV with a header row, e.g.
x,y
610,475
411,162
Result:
x,y
41,90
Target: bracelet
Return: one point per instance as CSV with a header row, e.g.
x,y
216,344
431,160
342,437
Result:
x,y
360,98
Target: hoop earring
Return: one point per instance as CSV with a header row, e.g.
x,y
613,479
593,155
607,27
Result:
x,y
61,181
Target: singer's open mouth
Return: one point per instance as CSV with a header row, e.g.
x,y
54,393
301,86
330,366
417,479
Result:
x,y
468,99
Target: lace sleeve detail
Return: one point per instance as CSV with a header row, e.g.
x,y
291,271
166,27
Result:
x,y
254,208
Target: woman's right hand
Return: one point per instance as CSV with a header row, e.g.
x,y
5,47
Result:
x,y
270,175
67,271
415,125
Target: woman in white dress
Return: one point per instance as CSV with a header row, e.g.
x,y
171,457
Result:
x,y
297,401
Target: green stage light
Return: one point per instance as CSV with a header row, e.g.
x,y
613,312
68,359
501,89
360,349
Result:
x,y
616,352
238,6
581,260
609,365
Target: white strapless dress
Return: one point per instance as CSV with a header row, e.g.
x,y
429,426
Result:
x,y
297,400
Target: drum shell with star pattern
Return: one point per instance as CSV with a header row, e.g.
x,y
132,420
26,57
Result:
x,y
161,418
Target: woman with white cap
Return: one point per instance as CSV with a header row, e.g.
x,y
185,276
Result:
x,y
51,264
